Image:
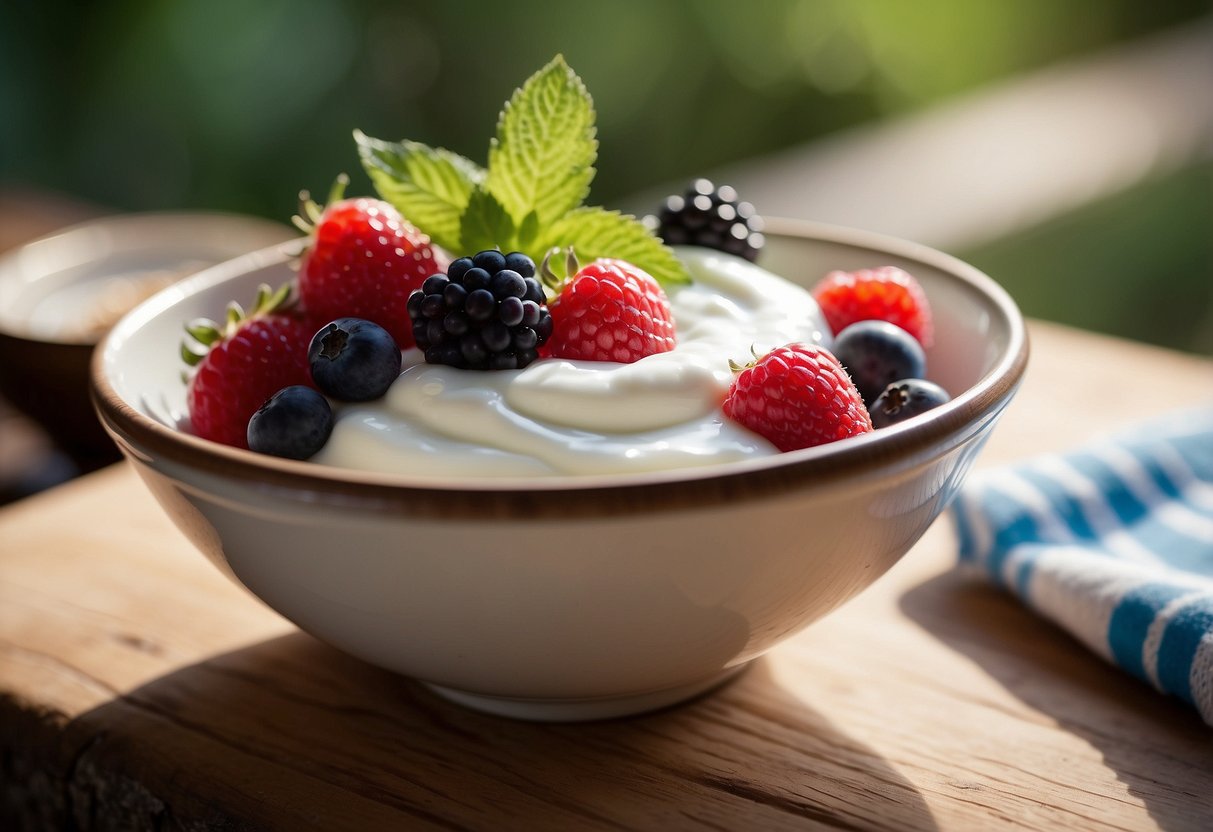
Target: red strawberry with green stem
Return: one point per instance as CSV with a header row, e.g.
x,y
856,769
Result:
x,y
246,360
364,260
608,310
797,396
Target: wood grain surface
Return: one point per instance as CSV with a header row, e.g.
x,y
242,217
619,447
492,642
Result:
x,y
141,690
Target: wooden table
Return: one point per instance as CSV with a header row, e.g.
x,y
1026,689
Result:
x,y
140,689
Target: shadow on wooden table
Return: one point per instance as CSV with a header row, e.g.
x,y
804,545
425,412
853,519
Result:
x,y
266,736
1157,746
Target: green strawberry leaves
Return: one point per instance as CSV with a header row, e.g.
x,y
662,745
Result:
x,y
205,333
541,164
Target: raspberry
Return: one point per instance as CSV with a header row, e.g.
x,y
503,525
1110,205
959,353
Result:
x,y
611,311
711,217
250,359
364,262
884,294
797,396
486,313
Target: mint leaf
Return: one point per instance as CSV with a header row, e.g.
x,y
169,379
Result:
x,y
485,224
528,230
430,186
542,159
597,232
541,163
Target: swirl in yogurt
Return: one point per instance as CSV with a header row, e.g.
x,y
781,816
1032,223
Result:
x,y
561,417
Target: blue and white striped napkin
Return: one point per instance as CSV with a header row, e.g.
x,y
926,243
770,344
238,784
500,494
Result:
x,y
1113,542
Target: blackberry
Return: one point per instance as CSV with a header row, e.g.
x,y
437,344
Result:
x,y
488,312
711,217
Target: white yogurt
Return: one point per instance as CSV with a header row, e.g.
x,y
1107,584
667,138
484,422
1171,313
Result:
x,y
559,417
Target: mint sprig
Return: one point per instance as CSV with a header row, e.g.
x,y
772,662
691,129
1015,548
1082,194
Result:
x,y
430,186
485,223
541,164
597,232
542,158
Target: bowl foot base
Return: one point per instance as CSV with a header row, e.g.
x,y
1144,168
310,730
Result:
x,y
583,710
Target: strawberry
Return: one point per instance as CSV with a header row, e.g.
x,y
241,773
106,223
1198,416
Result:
x,y
884,294
364,261
797,396
247,360
609,310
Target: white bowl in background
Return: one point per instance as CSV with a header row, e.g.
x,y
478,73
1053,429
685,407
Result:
x,y
60,293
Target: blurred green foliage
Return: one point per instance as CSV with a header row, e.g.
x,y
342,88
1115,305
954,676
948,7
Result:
x,y
1138,264
236,105
228,104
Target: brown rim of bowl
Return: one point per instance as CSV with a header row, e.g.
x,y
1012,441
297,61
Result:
x,y
887,452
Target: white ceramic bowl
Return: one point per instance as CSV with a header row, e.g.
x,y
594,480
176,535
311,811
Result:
x,y
570,598
59,293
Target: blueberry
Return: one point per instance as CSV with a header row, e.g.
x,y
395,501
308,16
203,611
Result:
x,y
877,353
294,423
904,399
354,360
